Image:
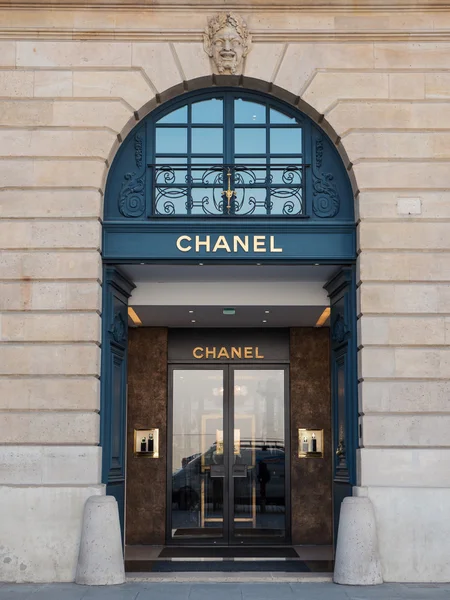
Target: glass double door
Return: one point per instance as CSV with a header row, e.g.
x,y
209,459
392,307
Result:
x,y
229,473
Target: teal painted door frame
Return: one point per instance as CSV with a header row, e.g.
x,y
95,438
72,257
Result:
x,y
134,231
344,384
113,398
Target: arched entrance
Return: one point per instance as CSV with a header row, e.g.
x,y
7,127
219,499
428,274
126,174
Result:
x,y
228,179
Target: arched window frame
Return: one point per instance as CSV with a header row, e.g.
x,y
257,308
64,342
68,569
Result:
x,y
225,178
326,193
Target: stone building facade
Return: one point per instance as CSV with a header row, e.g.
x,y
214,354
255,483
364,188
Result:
x,y
75,78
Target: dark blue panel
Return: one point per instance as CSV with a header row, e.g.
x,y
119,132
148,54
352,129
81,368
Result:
x,y
344,383
116,291
336,244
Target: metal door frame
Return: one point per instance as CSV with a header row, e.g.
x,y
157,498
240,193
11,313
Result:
x,y
228,539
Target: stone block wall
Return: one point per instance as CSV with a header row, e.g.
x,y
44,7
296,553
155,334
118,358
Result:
x,y
74,80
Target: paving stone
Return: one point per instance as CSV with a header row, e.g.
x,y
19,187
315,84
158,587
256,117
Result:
x,y
163,591
267,591
313,591
218,591
171,590
126,591
58,591
11,591
385,591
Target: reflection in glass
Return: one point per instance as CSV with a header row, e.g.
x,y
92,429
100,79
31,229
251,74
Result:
x,y
259,467
250,141
259,487
207,140
197,453
208,111
171,140
249,112
176,116
286,141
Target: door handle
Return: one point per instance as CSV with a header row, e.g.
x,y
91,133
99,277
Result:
x,y
217,471
239,470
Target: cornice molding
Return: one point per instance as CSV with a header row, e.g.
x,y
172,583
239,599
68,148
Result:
x,y
346,6
273,36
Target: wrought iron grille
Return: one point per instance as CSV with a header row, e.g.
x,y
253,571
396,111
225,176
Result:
x,y
201,190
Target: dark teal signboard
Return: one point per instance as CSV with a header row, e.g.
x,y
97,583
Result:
x,y
307,244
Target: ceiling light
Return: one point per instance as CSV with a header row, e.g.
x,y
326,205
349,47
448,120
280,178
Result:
x,y
192,320
267,312
264,320
190,312
133,316
229,311
323,317
316,264
200,264
258,264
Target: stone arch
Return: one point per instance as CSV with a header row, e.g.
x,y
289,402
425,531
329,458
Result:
x,y
329,238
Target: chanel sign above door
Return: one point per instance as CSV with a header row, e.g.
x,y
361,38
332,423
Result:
x,y
228,345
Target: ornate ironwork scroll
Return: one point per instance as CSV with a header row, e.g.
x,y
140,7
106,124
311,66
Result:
x,y
118,329
132,193
197,190
339,329
326,201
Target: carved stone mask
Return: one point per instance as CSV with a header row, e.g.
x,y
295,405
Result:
x,y
227,41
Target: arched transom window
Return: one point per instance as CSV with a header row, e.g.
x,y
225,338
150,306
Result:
x,y
227,156
226,153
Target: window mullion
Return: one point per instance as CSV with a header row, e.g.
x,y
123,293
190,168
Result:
x,y
189,197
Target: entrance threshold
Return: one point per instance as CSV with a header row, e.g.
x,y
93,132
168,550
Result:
x,y
229,559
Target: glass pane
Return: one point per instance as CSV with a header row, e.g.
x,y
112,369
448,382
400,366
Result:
x,y
171,140
249,141
280,118
208,111
286,141
259,454
176,116
249,112
207,140
197,454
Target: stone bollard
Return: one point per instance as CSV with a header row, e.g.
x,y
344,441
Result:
x,y
357,560
100,561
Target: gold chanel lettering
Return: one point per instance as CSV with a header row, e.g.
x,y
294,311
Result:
x,y
184,238
215,353
236,352
197,352
234,243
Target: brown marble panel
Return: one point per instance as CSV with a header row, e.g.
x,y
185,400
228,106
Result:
x,y
311,486
147,408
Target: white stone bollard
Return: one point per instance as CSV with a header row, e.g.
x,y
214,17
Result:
x,y
100,561
357,560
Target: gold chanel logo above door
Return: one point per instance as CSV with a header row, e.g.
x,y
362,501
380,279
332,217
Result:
x,y
233,353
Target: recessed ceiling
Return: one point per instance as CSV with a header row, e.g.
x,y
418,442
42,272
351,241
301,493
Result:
x,y
212,316
209,273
